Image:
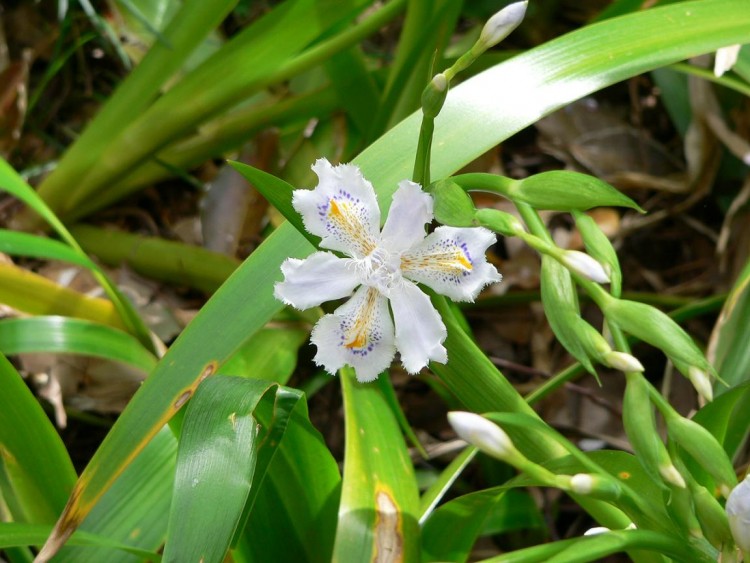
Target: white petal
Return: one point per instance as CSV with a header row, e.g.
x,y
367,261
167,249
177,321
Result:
x,y
320,277
342,209
359,333
420,331
452,261
738,513
726,57
410,210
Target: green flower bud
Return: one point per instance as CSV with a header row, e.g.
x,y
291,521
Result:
x,y
597,347
495,30
434,94
654,327
452,205
640,426
704,448
499,221
711,515
559,190
595,486
738,514
682,511
563,190
560,302
600,248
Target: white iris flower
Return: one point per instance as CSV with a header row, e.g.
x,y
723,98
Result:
x,y
344,212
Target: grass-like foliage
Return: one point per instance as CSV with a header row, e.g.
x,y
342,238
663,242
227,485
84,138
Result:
x,y
223,452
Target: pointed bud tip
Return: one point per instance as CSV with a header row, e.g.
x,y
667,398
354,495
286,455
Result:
x,y
672,475
702,382
482,433
500,25
585,265
726,57
596,531
623,362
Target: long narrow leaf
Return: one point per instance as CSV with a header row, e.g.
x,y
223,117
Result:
x,y
186,30
26,437
295,494
23,244
134,511
72,336
215,465
37,295
379,500
11,182
13,534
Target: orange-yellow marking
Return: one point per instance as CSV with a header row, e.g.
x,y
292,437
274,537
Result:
x,y
348,222
335,208
446,262
461,259
361,324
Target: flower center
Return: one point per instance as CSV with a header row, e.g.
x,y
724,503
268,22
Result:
x,y
382,270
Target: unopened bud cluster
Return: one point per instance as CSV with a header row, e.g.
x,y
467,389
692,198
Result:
x,y
493,441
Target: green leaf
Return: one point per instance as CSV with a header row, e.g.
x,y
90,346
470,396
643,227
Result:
x,y
729,351
447,477
34,294
594,548
269,354
227,132
428,28
450,532
183,33
135,510
14,534
379,501
277,192
227,320
515,511
266,52
24,244
11,182
728,417
72,336
34,459
296,491
215,464
348,72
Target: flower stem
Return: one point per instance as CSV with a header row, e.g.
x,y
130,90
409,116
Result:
x,y
421,174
